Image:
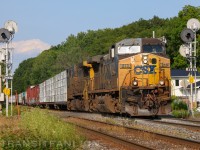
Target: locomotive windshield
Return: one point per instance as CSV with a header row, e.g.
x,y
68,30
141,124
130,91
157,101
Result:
x,y
153,49
128,49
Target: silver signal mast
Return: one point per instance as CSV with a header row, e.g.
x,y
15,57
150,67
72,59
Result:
x,y
6,36
188,50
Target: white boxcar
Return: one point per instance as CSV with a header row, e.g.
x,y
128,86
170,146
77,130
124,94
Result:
x,y
54,89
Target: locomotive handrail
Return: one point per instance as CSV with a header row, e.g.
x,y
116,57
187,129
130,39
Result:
x,y
126,76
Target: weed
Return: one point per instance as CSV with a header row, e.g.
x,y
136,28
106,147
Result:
x,y
109,120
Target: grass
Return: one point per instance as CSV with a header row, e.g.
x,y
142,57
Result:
x,y
37,129
14,110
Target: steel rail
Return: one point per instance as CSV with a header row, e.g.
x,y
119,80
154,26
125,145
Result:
x,y
186,120
188,126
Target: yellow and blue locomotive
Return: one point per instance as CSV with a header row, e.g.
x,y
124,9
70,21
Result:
x,y
134,78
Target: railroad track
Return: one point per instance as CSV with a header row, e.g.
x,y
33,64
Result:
x,y
192,127
186,120
133,133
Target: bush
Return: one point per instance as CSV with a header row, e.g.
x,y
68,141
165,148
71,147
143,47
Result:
x,y
180,113
178,104
179,108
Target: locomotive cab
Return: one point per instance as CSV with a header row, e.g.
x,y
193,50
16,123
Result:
x,y
144,74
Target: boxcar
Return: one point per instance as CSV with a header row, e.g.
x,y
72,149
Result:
x,y
32,95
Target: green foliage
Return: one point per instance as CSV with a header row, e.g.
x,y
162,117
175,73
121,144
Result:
x,y
178,104
22,77
39,130
180,113
196,113
173,98
14,110
90,43
179,108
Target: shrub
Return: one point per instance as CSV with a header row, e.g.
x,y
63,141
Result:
x,y
179,108
178,104
180,113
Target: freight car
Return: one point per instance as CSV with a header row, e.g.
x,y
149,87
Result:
x,y
32,95
134,78
53,92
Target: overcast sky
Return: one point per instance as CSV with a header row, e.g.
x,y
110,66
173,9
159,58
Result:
x,y
43,23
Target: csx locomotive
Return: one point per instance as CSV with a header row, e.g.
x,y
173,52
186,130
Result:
x,y
134,78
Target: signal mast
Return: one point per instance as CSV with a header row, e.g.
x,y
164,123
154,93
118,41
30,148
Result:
x,y
6,36
188,50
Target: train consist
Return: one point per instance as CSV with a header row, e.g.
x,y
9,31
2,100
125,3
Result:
x,y
133,78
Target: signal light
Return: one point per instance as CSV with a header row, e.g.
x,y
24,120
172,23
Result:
x,y
4,35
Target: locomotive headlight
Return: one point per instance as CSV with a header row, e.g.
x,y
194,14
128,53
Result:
x,y
145,59
162,82
135,82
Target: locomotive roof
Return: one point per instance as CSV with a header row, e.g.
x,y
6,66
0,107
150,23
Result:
x,y
138,41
